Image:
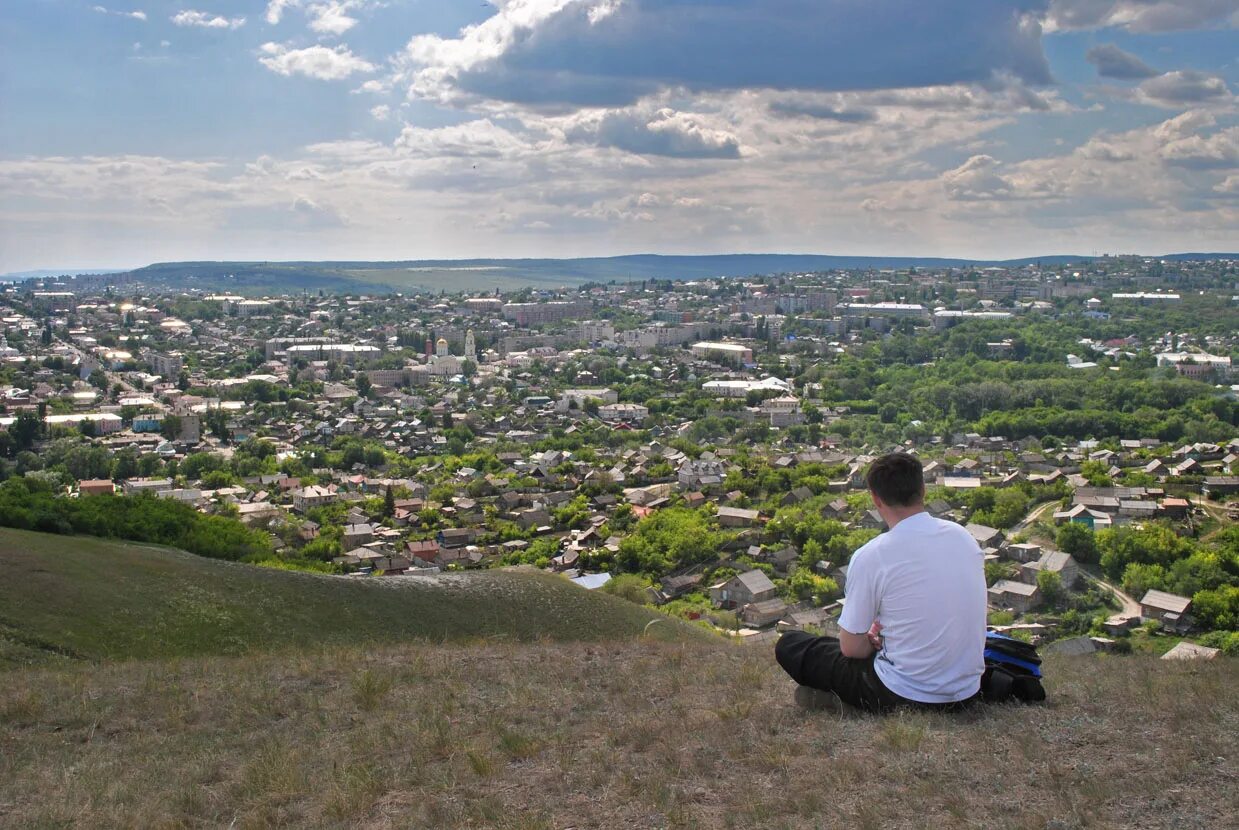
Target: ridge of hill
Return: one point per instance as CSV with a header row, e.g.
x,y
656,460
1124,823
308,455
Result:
x,y
69,597
602,736
488,274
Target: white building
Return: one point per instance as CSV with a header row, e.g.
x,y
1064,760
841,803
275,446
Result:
x,y
731,352
630,413
1196,364
741,388
569,397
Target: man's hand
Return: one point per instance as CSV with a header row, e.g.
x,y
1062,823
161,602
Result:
x,y
875,635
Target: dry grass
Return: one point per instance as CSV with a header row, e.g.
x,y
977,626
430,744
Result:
x,y
596,736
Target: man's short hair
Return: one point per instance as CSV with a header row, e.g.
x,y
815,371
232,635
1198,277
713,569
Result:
x,y
897,479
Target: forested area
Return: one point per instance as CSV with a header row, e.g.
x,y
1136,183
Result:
x,y
30,504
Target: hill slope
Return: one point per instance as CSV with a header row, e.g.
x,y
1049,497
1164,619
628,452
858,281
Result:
x,y
606,736
74,597
434,275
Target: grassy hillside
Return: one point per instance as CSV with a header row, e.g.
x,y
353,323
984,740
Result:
x,y
64,597
611,735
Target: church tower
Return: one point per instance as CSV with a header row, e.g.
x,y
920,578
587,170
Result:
x,y
471,346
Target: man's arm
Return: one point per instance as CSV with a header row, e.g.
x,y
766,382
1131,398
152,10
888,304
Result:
x,y
859,646
856,646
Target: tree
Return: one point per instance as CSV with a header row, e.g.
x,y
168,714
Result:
x,y
217,422
389,503
1051,586
806,585
25,430
1154,544
171,426
1078,540
363,385
1217,609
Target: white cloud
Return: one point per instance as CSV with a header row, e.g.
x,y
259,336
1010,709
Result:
x,y
321,62
206,20
381,113
1143,16
977,178
275,9
332,17
313,215
137,14
1217,151
375,86
481,138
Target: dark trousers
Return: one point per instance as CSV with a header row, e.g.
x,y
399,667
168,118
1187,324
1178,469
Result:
x,y
818,662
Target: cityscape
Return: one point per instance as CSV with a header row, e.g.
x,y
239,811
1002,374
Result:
x,y
696,446
619,414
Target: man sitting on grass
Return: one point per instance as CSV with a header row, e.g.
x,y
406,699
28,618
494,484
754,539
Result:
x,y
912,631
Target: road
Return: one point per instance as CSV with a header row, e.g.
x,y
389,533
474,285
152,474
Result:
x,y
1031,518
1131,608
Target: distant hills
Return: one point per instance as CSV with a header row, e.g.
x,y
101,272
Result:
x,y
435,275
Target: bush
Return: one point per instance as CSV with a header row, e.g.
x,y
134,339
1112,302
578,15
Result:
x,y
628,586
1227,641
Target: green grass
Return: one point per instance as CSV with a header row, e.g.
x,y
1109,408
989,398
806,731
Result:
x,y
67,597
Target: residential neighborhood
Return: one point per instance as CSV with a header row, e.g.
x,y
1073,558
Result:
x,y
583,432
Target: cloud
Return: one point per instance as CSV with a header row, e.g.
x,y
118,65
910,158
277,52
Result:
x,y
1141,16
311,215
1184,87
1002,96
481,138
662,133
206,20
823,111
1217,151
332,17
977,178
571,53
321,62
1113,62
137,14
1228,186
381,113
275,9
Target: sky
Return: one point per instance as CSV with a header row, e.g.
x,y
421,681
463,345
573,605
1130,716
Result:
x,y
165,130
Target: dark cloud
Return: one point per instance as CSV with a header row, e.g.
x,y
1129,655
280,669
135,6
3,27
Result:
x,y
1113,62
604,53
1185,87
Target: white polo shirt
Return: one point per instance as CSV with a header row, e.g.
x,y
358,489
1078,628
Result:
x,y
924,580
